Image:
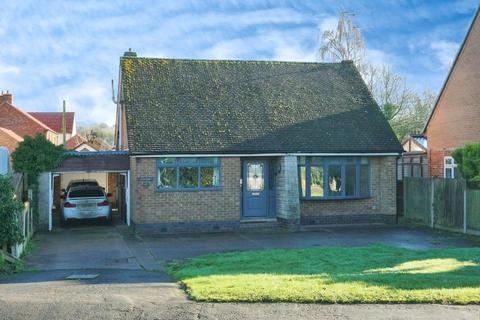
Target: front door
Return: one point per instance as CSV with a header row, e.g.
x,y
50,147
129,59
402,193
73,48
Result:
x,y
255,188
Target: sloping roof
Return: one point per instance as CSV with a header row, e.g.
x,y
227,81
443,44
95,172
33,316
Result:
x,y
38,123
419,140
74,141
176,106
54,120
77,140
475,17
12,134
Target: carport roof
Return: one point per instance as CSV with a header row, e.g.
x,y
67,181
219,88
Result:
x,y
95,161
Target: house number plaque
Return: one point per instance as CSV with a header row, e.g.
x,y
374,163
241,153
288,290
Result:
x,y
145,181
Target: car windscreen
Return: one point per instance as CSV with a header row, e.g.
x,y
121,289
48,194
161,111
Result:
x,y
86,193
90,183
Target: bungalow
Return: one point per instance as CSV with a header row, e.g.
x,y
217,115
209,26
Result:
x,y
219,144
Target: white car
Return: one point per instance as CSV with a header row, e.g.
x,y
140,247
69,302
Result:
x,y
86,202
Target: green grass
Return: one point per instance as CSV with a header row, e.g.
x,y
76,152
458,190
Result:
x,y
374,274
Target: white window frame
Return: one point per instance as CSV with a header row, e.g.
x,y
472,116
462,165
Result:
x,y
452,166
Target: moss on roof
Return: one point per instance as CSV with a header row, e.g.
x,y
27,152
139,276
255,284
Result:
x,y
227,106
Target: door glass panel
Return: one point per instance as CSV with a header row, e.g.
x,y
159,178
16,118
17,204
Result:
x,y
255,178
316,184
335,180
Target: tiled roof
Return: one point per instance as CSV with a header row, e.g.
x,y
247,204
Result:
x,y
20,121
77,140
219,106
74,141
54,120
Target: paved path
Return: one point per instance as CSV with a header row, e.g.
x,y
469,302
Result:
x,y
124,290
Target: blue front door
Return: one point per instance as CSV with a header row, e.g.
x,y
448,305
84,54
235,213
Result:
x,y
255,188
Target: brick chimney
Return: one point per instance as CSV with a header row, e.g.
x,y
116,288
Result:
x,y
6,97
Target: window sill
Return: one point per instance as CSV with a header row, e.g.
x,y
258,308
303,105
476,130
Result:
x,y
335,199
188,190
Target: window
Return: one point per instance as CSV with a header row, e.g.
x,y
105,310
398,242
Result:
x,y
334,177
186,174
449,168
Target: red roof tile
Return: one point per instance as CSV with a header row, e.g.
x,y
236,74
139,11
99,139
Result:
x,y
74,142
54,120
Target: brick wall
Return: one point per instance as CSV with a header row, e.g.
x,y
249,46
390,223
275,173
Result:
x,y
21,123
380,206
436,160
8,141
152,207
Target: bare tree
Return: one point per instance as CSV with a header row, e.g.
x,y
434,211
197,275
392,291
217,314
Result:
x,y
414,116
344,43
388,88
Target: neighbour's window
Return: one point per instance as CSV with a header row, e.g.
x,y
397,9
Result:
x,y
449,168
176,174
334,177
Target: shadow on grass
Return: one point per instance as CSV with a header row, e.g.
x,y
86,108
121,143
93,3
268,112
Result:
x,y
377,265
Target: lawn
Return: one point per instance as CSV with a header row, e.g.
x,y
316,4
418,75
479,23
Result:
x,y
373,274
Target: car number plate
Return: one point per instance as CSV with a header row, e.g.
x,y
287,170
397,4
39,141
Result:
x,y
87,206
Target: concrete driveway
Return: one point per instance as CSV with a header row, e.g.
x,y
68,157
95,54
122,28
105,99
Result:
x,y
123,287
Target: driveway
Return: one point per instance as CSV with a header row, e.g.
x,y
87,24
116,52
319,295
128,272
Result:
x,y
123,288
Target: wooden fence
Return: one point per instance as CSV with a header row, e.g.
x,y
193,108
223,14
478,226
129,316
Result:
x,y
442,203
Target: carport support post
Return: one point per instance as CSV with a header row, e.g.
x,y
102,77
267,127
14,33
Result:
x,y
127,197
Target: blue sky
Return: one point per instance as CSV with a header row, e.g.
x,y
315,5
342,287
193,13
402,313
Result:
x,y
56,50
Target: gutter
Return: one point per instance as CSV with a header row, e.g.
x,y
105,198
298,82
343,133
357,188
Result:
x,y
224,155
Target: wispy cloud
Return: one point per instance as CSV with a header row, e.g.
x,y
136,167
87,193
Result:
x,y
54,50
445,52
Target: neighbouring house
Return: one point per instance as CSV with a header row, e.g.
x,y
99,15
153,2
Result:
x,y
455,119
218,145
9,139
54,120
82,144
22,123
414,160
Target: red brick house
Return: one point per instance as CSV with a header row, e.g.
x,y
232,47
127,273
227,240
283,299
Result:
x,y
54,121
22,123
455,119
220,145
9,139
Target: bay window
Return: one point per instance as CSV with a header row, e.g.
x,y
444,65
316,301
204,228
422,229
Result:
x,y
188,174
334,177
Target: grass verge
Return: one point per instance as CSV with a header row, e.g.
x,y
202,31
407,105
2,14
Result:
x,y
373,274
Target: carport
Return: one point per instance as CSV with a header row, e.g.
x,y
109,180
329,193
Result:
x,y
110,168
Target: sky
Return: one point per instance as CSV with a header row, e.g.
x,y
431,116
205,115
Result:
x,y
55,50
